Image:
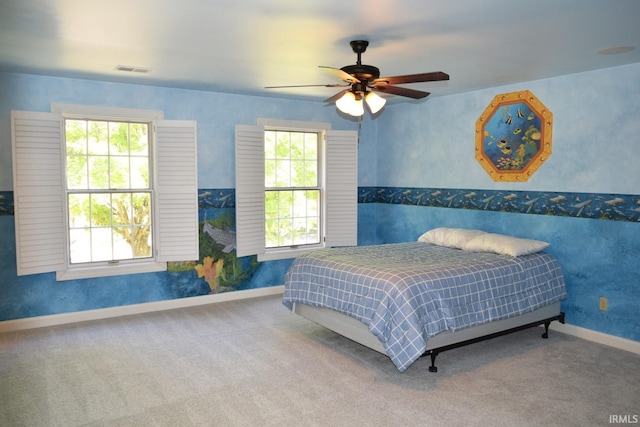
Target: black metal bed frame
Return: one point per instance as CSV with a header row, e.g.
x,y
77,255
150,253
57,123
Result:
x,y
546,322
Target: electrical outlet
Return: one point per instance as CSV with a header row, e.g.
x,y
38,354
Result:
x,y
603,304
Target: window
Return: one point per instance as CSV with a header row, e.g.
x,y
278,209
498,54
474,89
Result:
x,y
292,188
296,188
101,191
108,191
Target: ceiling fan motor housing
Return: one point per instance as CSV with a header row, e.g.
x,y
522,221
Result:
x,y
362,72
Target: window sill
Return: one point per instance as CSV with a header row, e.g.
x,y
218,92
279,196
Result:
x,y
274,255
110,270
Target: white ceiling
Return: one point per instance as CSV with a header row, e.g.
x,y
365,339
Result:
x,y
241,46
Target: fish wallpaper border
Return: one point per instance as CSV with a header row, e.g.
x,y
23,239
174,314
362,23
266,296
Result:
x,y
614,207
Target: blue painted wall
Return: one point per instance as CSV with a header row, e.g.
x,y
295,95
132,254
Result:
x,y
217,115
595,156
422,145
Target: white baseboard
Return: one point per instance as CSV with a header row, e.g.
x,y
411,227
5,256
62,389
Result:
x,y
598,337
125,310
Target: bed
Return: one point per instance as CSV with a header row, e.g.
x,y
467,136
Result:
x,y
411,299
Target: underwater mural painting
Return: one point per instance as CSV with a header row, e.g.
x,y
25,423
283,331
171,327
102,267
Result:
x,y
218,265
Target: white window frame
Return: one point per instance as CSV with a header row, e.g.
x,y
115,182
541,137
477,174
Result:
x,y
339,151
40,198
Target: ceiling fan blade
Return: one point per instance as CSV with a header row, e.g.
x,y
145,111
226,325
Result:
x,y
342,75
328,85
336,96
401,91
413,78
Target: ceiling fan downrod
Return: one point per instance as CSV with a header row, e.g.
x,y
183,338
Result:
x,y
359,47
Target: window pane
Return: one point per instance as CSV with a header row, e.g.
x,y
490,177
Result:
x,y
269,145
269,173
77,175
121,247
285,237
98,172
142,241
139,172
313,231
76,136
118,138
119,172
297,173
311,146
100,210
271,204
297,145
283,173
80,245
121,209
98,138
101,244
271,233
313,203
139,139
285,204
283,145
311,174
299,231
141,208
79,213
299,204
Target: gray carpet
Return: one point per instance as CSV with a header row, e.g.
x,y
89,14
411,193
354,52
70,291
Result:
x,y
251,362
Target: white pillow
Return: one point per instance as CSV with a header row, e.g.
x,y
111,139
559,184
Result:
x,y
504,245
450,237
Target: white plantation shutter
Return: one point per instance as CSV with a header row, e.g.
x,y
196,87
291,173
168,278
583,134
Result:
x,y
39,195
38,182
250,239
341,188
176,191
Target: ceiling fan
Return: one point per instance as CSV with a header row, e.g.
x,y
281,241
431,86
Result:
x,y
363,81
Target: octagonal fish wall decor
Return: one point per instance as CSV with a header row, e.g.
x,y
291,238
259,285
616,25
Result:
x,y
513,136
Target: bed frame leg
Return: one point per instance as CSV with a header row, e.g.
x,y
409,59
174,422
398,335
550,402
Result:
x,y
559,318
545,335
433,367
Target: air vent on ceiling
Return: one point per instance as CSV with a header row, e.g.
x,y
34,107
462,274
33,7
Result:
x,y
131,69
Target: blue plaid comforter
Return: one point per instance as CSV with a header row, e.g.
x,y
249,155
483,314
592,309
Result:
x,y
408,292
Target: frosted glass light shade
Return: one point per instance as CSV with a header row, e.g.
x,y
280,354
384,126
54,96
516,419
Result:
x,y
348,104
375,102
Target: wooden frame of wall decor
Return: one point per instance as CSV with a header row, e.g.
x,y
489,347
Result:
x,y
513,136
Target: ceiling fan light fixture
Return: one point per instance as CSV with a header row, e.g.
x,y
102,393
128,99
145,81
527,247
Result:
x,y
375,102
349,104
